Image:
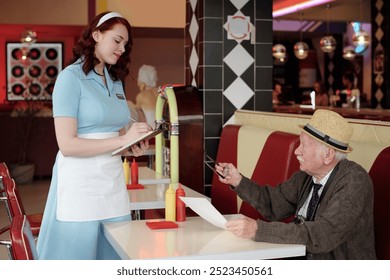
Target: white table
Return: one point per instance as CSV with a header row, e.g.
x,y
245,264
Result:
x,y
153,196
148,176
194,239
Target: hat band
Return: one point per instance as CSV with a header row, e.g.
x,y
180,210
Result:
x,y
107,17
325,138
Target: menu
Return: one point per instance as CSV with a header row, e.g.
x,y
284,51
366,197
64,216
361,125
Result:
x,y
206,210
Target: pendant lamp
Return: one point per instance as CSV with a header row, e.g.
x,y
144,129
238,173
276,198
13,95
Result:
x,y
301,49
279,51
28,37
328,42
349,53
360,38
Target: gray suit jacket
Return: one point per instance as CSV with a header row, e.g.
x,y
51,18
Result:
x,y
343,227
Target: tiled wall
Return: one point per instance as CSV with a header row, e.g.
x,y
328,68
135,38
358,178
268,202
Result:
x,y
232,73
380,97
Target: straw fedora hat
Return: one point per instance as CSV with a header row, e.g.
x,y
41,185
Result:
x,y
331,129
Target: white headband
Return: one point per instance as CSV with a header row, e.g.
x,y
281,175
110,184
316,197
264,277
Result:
x,y
107,17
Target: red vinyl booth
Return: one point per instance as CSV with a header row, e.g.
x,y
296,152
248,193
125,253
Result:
x,y
275,164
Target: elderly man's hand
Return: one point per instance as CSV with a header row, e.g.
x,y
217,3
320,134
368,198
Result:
x,y
243,227
230,172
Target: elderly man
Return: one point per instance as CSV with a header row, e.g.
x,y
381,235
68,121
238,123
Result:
x,y
331,197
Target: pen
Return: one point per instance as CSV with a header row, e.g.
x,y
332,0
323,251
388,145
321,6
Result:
x,y
135,121
131,118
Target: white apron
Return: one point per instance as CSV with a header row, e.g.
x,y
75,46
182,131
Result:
x,y
91,188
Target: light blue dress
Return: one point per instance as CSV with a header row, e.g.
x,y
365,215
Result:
x,y
98,109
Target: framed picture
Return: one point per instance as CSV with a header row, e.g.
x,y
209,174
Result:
x,y
32,70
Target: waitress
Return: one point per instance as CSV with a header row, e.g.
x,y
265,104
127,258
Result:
x,y
90,113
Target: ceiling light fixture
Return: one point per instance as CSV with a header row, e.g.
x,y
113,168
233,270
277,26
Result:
x,y
279,51
28,37
301,49
349,53
360,38
328,43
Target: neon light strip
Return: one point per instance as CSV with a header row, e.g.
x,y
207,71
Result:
x,y
299,7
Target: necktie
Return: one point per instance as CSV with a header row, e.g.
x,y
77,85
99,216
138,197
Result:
x,y
311,209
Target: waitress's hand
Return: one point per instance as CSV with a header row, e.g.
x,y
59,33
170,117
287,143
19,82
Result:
x,y
230,172
136,130
139,150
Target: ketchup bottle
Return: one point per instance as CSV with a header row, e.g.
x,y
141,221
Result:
x,y
134,172
180,205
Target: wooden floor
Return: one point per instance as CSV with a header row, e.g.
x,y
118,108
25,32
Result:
x,y
34,198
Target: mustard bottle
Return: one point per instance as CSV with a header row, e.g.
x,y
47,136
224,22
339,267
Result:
x,y
170,205
126,170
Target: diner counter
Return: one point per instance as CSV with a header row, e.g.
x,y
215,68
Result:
x,y
363,113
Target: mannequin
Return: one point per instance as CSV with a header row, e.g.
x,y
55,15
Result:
x,y
147,97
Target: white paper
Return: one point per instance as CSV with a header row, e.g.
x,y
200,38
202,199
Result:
x,y
206,210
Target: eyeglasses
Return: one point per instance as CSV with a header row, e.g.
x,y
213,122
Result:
x,y
225,169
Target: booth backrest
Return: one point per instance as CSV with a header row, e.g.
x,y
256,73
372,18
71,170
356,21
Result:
x,y
375,158
265,156
276,164
380,175
221,196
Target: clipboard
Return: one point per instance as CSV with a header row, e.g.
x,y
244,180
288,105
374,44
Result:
x,y
160,128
